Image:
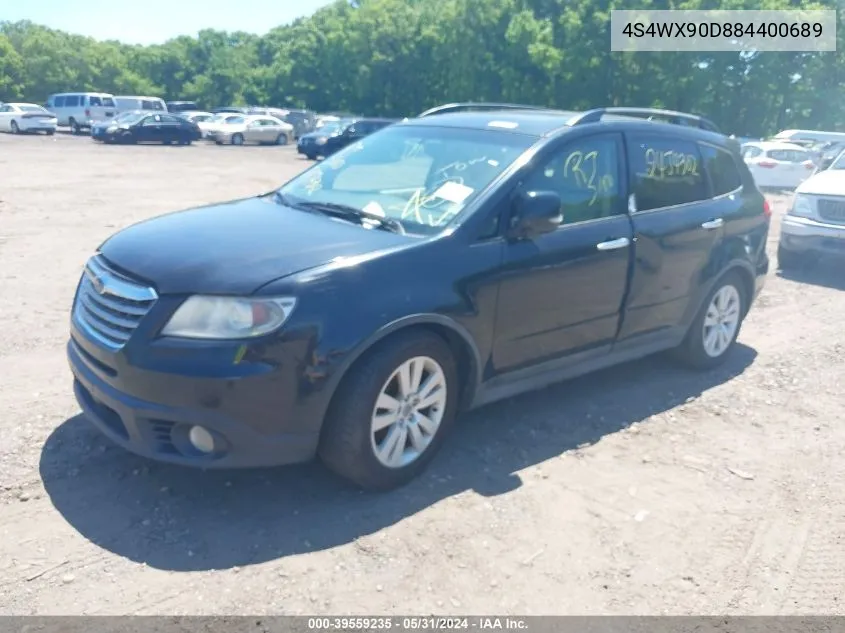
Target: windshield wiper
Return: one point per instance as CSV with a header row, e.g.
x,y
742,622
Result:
x,y
347,211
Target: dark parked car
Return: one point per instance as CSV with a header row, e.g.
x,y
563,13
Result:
x,y
437,265
182,106
330,138
143,127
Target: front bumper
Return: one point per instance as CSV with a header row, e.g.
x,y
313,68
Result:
x,y
150,413
803,235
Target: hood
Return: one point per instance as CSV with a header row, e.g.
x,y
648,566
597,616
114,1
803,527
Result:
x,y
237,247
319,134
830,182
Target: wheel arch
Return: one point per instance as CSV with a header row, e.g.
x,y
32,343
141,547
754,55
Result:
x,y
744,271
456,337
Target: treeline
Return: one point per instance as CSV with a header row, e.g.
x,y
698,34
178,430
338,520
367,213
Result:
x,y
398,57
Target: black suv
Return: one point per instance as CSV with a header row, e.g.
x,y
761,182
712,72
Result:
x,y
337,135
440,264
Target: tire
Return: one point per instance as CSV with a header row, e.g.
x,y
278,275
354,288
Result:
x,y
237,139
75,128
51,132
14,127
282,139
348,444
311,156
791,260
693,352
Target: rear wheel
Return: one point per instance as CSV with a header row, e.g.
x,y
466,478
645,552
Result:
x,y
311,156
713,333
15,128
237,139
74,126
392,412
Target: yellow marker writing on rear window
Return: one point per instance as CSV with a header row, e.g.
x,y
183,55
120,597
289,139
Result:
x,y
239,355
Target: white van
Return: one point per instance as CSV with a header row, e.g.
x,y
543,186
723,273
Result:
x,y
128,104
816,136
80,110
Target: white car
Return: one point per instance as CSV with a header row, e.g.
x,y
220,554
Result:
x,y
777,164
26,117
202,119
217,121
815,223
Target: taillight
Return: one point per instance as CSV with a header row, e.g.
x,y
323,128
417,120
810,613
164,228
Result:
x,y
767,210
87,112
767,164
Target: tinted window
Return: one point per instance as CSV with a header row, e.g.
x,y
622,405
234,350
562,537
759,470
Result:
x,y
59,102
585,174
108,102
665,172
72,101
721,167
157,105
751,152
95,101
169,118
147,105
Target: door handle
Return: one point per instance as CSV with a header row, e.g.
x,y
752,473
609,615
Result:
x,y
713,224
612,245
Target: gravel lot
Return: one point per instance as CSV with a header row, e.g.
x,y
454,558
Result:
x,y
641,490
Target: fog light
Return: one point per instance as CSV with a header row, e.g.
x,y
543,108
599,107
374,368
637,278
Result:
x,y
201,439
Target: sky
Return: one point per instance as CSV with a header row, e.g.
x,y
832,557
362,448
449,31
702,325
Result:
x,y
155,21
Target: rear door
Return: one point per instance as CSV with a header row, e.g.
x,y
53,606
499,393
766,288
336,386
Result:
x,y
171,128
677,230
150,130
562,292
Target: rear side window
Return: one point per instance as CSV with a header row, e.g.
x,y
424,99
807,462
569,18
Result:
x,y
789,155
665,172
72,101
59,102
721,167
95,101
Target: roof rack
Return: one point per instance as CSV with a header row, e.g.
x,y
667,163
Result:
x,y
669,116
477,107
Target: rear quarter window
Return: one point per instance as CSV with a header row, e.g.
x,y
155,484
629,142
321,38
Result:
x,y
721,168
665,172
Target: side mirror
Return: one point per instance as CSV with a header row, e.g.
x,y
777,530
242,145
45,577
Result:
x,y
535,213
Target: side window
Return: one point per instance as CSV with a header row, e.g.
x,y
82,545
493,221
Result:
x,y
72,101
585,174
164,118
59,102
146,104
95,101
5,108
665,172
721,167
157,105
150,120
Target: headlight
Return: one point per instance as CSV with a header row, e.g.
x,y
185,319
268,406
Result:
x,y
802,206
321,140
211,317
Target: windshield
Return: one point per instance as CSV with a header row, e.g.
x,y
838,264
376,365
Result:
x,y
421,176
129,117
839,163
331,127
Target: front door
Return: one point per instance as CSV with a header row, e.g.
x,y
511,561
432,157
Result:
x,y
150,130
562,292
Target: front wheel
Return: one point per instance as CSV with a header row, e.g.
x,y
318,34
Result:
x,y
714,331
238,139
15,128
392,412
282,139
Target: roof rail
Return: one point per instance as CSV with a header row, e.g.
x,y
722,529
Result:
x,y
477,107
678,118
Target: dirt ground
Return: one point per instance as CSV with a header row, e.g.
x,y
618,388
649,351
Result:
x,y
639,490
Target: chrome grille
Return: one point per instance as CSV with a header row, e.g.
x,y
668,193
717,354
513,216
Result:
x,y
109,306
832,210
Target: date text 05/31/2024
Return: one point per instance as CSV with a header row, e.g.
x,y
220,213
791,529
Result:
x,y
417,623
